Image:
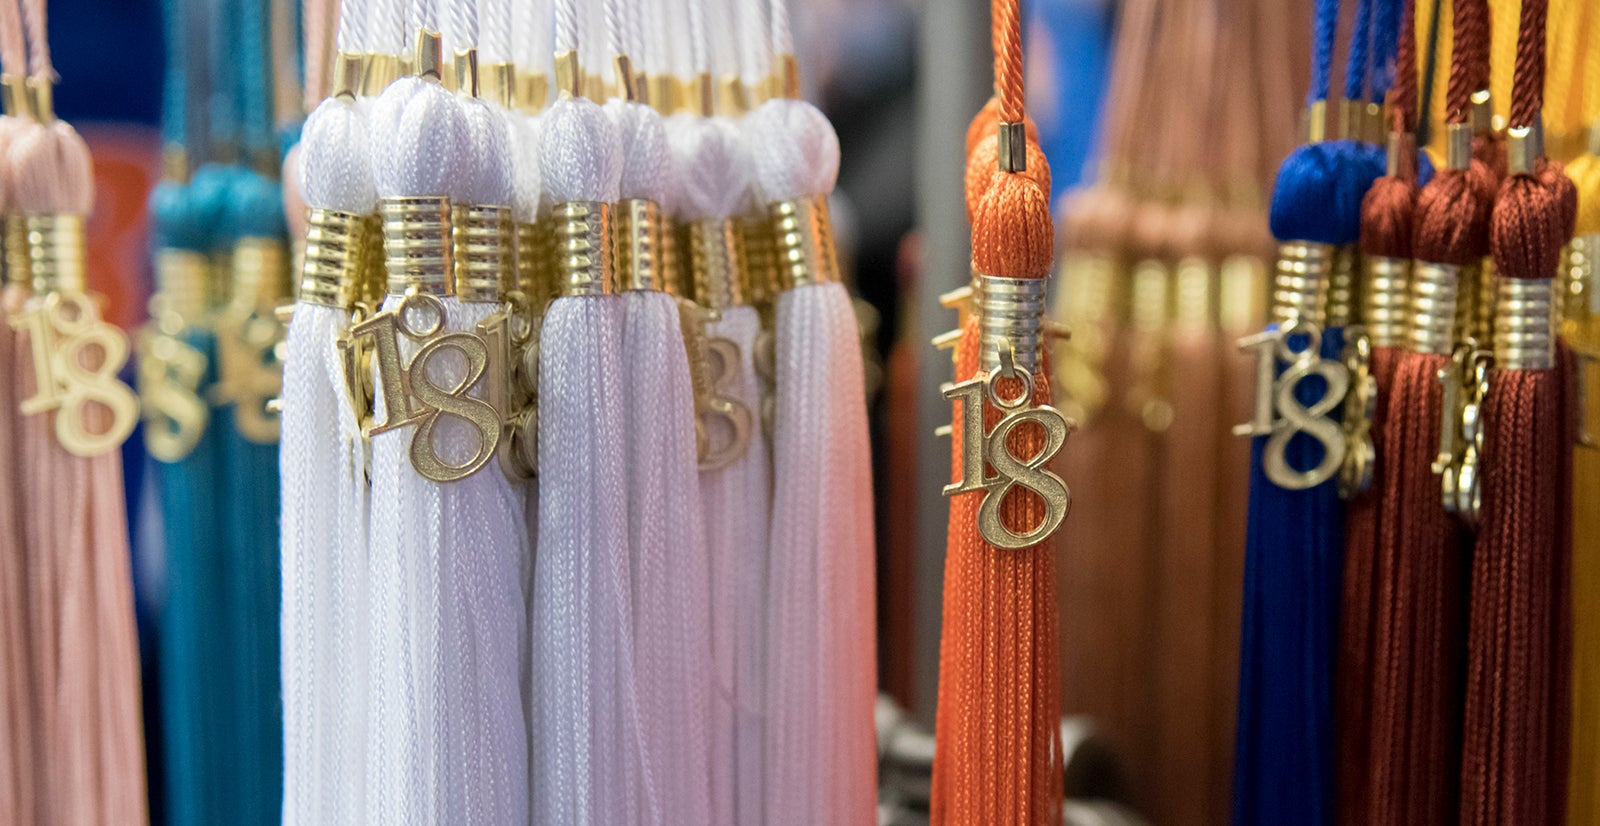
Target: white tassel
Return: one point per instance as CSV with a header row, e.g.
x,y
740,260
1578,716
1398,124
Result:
x,y
666,537
821,757
588,766
324,513
421,145
487,547
737,502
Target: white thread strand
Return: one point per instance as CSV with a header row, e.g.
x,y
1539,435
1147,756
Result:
x,y
737,502
782,39
352,22
754,28
462,29
494,31
699,56
566,28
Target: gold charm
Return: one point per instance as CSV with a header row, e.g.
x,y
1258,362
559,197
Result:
x,y
513,383
713,361
64,383
410,393
1360,456
1459,465
982,450
250,374
1279,415
175,417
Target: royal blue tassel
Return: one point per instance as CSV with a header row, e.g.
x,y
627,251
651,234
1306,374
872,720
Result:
x,y
1283,756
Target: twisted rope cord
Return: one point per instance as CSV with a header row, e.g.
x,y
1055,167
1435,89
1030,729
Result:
x,y
1527,81
1324,28
1008,76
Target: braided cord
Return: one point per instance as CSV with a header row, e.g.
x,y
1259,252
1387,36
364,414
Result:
x,y
1324,27
1008,79
1358,58
1527,83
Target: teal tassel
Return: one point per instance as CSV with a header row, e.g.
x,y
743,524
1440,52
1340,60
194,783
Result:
x,y
249,489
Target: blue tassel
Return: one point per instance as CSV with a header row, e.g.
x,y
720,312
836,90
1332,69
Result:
x,y
1283,756
249,487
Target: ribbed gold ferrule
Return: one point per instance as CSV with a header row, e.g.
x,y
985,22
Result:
x,y
181,281
483,249
1583,297
670,257
1300,287
714,256
18,270
1434,290
260,274
760,276
418,253
636,234
1194,294
1342,286
336,252
582,240
55,252
372,281
534,276
803,238
1524,324
1010,311
1383,304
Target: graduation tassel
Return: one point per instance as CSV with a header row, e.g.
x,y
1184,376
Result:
x,y
733,263
587,764
250,376
93,752
1514,762
323,456
998,653
1293,560
671,565
823,680
22,706
1412,691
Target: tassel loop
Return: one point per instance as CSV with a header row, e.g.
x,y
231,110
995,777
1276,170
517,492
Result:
x,y
1524,327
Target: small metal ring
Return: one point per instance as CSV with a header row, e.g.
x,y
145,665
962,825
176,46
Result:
x,y
1015,402
409,303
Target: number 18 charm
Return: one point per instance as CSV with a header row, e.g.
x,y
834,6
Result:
x,y
982,450
1279,413
60,329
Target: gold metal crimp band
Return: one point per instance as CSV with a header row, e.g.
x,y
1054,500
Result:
x,y
260,274
636,231
181,281
1524,337
1299,290
1010,311
583,248
337,249
804,237
1384,301
1435,289
533,263
417,245
55,252
483,250
714,254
